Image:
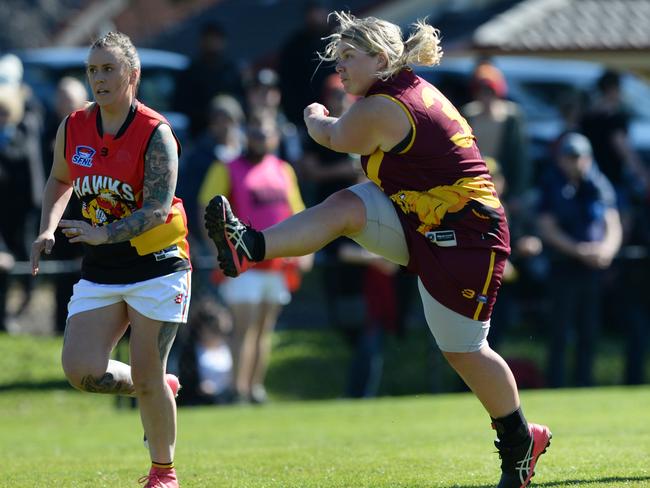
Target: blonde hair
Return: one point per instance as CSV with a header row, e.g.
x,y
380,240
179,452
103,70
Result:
x,y
12,100
375,36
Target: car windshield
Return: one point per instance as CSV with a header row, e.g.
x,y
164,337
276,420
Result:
x,y
541,86
636,96
157,89
44,67
543,98
156,85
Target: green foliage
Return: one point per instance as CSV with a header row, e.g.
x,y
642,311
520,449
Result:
x,y
313,364
29,361
307,365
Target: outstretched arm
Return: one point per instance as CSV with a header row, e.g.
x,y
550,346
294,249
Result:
x,y
369,124
55,198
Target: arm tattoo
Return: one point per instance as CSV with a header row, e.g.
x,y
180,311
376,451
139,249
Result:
x,y
160,168
166,338
160,172
106,384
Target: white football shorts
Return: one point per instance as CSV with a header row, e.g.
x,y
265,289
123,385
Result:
x,y
165,298
255,286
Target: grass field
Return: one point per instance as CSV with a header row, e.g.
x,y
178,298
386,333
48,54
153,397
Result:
x,y
51,436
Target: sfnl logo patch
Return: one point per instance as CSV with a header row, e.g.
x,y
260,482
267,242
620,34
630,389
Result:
x,y
83,156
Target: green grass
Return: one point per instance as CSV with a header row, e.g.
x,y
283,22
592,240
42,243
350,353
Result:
x,y
53,436
69,439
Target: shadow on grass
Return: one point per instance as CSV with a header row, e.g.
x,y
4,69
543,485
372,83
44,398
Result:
x,y
595,481
35,385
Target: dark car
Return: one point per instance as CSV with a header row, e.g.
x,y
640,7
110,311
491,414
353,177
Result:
x,y
44,67
541,86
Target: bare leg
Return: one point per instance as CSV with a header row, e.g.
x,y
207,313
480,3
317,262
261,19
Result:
x,y
89,339
489,377
244,315
341,214
151,341
262,337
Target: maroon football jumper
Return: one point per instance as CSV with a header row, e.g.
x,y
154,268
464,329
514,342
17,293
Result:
x,y
453,221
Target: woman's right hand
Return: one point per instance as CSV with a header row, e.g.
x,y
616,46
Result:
x,y
43,243
315,109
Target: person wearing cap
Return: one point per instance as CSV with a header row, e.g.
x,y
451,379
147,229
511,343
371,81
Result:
x,y
499,127
11,70
580,225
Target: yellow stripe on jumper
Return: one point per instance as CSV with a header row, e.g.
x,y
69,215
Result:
x,y
374,162
408,114
486,286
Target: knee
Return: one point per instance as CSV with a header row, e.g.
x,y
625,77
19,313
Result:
x,y
351,210
74,377
147,384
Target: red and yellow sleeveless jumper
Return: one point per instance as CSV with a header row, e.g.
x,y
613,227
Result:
x,y
107,175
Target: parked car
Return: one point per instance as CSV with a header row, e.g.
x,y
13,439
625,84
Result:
x,y
44,67
540,86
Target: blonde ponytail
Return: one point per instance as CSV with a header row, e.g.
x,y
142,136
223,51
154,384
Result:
x,y
422,48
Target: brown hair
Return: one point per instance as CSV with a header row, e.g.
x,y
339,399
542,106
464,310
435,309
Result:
x,y
123,44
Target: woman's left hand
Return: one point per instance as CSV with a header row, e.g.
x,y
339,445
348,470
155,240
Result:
x,y
80,231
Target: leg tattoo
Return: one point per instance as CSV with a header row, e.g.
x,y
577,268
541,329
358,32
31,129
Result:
x,y
166,339
106,384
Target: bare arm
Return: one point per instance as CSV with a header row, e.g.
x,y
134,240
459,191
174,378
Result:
x,y
554,236
595,254
611,244
370,124
160,173
55,199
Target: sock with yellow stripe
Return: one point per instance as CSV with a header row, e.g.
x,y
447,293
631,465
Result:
x,y
162,465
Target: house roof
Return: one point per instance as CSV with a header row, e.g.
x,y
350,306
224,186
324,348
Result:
x,y
30,23
568,25
253,28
